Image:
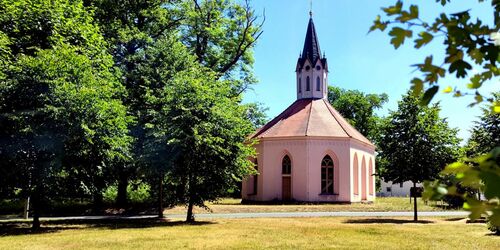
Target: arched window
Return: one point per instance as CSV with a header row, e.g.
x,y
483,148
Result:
x,y
286,165
308,84
327,175
300,85
318,83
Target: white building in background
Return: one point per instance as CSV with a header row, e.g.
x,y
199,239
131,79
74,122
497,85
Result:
x,y
396,189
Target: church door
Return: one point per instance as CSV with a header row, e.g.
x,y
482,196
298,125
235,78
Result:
x,y
286,188
286,178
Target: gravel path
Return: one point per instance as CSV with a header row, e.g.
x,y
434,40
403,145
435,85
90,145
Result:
x,y
264,215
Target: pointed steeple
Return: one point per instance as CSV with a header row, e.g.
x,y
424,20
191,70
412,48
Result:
x,y
311,49
312,68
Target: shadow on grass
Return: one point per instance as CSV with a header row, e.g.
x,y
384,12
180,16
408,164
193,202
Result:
x,y
385,221
454,219
20,228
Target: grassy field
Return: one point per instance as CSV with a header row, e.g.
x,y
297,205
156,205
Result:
x,y
380,204
282,233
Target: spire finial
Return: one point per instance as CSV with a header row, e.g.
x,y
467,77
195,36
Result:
x,y
311,8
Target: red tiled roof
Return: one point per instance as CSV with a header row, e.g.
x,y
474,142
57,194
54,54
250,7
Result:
x,y
310,117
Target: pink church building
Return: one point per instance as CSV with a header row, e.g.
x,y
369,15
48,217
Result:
x,y
309,152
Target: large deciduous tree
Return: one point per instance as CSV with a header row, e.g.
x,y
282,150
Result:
x,y
59,98
416,144
472,49
485,134
219,34
204,128
358,108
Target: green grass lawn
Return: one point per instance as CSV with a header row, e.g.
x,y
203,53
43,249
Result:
x,y
381,204
282,233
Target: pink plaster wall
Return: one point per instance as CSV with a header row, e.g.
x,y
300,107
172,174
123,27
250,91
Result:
x,y
306,155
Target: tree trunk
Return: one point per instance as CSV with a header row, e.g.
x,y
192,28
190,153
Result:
x,y
36,209
190,215
415,216
26,211
97,200
160,196
121,197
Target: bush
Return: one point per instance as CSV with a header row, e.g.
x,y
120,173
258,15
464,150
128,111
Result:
x,y
137,192
110,194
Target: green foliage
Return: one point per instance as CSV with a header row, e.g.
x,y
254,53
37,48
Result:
x,y
358,108
60,98
483,173
221,35
416,144
256,113
485,134
137,192
468,44
480,171
207,132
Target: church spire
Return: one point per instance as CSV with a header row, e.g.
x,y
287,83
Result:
x,y
311,48
312,69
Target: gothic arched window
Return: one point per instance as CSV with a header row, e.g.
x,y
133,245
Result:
x,y
327,175
318,83
286,165
308,84
300,85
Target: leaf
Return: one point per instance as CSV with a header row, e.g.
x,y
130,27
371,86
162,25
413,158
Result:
x,y
428,95
461,67
425,38
479,98
398,36
393,10
447,89
377,24
417,87
475,82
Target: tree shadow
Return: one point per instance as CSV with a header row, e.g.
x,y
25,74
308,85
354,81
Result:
x,y
454,219
21,228
385,221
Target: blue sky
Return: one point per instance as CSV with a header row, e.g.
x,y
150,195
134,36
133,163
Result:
x,y
356,60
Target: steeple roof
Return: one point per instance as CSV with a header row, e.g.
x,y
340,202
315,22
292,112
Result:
x,y
311,48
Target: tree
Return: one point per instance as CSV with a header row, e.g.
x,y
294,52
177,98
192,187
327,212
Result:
x,y
358,108
59,100
485,135
416,144
471,45
219,34
480,170
207,132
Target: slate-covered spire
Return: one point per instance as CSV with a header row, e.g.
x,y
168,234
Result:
x,y
311,49
312,68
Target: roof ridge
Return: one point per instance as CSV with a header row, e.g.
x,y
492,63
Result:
x,y
334,117
309,117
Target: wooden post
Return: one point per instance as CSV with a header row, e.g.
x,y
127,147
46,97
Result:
x,y
415,216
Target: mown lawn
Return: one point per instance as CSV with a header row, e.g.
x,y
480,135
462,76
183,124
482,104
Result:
x,y
381,204
282,233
